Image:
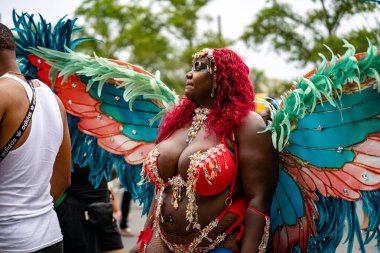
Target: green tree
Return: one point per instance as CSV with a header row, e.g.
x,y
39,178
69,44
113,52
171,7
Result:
x,y
263,84
131,29
302,36
182,18
258,79
153,34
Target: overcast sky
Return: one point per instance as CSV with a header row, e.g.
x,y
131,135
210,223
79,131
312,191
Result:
x,y
236,14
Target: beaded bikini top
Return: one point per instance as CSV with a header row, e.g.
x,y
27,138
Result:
x,y
209,173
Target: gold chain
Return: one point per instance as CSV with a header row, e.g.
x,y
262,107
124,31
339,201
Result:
x,y
15,73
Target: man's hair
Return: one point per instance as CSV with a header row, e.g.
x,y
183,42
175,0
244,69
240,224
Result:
x,y
7,41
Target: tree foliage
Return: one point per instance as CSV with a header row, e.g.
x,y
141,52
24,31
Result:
x,y
130,29
157,35
272,87
302,37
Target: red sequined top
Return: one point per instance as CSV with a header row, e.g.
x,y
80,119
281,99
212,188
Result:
x,y
212,170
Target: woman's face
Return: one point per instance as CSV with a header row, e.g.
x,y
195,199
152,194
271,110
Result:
x,y
199,83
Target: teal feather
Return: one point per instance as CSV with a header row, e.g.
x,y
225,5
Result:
x,y
325,84
32,34
333,214
371,207
112,95
85,151
136,84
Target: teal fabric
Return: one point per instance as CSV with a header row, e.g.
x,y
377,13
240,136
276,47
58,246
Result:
x,y
331,158
140,133
341,116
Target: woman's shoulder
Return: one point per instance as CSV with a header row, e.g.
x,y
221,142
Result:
x,y
250,134
252,123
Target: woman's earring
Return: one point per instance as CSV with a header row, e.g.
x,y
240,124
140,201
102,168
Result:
x,y
213,86
213,82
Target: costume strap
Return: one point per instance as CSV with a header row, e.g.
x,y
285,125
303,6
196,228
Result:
x,y
144,238
228,200
60,200
146,234
264,239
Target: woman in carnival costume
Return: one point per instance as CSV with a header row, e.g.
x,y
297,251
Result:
x,y
214,174
214,190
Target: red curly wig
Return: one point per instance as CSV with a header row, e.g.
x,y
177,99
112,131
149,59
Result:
x,y
232,102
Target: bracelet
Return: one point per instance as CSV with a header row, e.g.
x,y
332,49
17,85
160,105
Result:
x,y
264,240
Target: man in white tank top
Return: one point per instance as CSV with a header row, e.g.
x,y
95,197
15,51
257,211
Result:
x,y
36,171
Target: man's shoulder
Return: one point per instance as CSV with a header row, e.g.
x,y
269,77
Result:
x,y
10,86
11,92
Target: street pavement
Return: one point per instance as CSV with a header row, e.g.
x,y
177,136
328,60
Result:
x,y
137,222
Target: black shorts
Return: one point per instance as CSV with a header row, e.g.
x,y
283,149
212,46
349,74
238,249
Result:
x,y
55,248
80,236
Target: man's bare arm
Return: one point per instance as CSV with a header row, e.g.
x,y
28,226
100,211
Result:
x,y
61,177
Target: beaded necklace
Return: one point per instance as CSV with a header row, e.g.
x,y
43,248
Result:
x,y
198,120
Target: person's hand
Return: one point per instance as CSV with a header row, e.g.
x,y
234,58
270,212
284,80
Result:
x,y
117,216
135,249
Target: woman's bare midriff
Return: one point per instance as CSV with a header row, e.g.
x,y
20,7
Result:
x,y
174,220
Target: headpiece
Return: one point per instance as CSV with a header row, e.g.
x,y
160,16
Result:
x,y
211,68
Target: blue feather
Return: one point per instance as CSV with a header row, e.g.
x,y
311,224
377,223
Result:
x,y
371,207
85,151
335,214
32,34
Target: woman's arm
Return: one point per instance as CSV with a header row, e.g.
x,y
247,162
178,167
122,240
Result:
x,y
258,165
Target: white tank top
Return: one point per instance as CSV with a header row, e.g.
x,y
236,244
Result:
x,y
27,219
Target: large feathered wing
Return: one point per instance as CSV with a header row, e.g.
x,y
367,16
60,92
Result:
x,y
112,100
114,107
328,132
